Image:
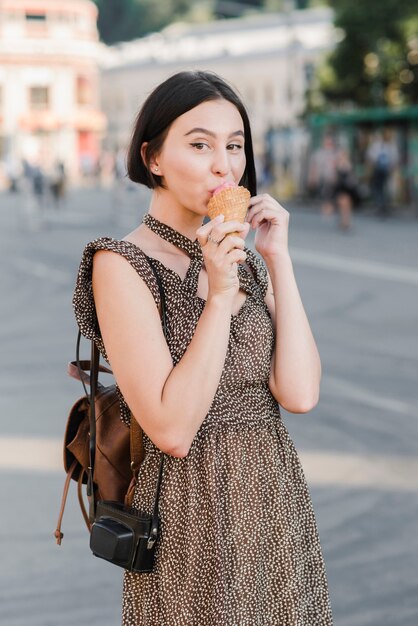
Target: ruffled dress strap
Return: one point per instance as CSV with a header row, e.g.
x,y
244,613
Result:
x,y
83,299
258,276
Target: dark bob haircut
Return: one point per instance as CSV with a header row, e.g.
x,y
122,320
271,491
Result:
x,y
175,96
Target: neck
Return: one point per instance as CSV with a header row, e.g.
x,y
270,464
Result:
x,y
168,211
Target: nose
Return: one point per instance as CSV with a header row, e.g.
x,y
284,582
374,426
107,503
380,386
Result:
x,y
221,165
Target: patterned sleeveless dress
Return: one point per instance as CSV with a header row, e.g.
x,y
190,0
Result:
x,y
238,541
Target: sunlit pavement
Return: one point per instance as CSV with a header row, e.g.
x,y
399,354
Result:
x,y
358,446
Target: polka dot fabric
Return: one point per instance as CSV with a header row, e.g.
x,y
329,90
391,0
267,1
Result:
x,y
238,544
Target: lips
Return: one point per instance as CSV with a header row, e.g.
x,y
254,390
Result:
x,y
225,185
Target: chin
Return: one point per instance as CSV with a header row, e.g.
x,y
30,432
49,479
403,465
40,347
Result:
x,y
200,208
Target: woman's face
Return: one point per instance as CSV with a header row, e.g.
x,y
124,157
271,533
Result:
x,y
203,148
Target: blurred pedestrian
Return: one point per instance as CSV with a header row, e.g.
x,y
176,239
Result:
x,y
238,542
26,186
12,172
382,156
345,189
57,183
38,185
120,178
322,174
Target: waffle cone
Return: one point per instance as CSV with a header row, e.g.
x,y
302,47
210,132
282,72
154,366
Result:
x,y
232,202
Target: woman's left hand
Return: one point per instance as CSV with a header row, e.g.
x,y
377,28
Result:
x,y
272,223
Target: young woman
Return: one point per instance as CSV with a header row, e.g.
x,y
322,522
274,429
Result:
x,y
238,542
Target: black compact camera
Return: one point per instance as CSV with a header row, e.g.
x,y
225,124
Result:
x,y
124,536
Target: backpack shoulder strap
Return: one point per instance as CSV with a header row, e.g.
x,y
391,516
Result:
x,y
135,432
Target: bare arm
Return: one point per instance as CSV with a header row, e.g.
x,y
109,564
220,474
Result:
x,y
170,403
295,371
296,367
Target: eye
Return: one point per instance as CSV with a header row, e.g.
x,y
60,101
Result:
x,y
199,146
235,147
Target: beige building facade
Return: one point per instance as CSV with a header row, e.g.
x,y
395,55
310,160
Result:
x,y
268,58
49,84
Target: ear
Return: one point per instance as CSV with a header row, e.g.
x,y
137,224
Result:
x,y
153,164
143,153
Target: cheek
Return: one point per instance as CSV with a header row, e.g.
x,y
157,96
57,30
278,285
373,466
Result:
x,y
239,166
182,168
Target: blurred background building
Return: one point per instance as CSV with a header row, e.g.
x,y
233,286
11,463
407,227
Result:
x,y
306,70
49,85
269,58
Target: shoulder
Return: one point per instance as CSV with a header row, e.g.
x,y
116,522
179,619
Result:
x,y
123,247
122,269
109,253
117,265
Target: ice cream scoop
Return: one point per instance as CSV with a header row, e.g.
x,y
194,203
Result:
x,y
225,185
231,200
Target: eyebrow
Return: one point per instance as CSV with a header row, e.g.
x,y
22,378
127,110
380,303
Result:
x,y
209,132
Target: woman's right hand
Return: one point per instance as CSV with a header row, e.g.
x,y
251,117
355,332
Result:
x,y
221,259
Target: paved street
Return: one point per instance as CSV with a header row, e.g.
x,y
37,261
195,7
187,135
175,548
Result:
x,y
359,446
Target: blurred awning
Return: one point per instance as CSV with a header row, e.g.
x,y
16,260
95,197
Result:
x,y
377,115
82,120
89,119
39,120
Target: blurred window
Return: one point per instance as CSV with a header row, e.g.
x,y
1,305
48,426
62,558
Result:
x,y
35,17
83,90
38,98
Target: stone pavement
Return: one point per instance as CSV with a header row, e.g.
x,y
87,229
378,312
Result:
x,y
358,446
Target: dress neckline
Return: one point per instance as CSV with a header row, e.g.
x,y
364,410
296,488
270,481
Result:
x,y
192,248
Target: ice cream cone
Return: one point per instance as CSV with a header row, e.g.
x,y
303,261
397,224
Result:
x,y
232,202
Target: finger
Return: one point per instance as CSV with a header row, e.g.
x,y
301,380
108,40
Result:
x,y
204,230
254,200
236,256
253,210
218,236
245,232
264,215
231,242
256,209
220,231
265,202
214,240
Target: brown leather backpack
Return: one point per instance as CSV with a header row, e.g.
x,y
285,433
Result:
x,y
118,449
103,453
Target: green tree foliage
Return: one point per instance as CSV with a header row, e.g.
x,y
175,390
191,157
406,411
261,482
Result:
x,y
376,61
123,20
234,8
